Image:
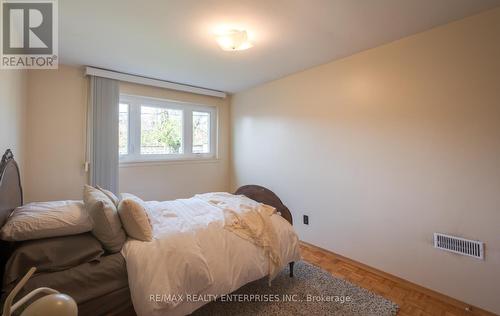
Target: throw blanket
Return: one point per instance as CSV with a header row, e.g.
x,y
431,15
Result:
x,y
251,221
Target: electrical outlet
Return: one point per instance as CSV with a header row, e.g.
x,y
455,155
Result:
x,y
306,219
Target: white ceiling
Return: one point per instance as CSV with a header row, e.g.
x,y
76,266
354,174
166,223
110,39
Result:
x,y
173,39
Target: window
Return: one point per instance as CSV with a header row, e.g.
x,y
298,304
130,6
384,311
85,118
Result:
x,y
123,129
161,131
152,130
201,132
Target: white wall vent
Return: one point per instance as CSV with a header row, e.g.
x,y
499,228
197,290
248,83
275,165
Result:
x,y
459,245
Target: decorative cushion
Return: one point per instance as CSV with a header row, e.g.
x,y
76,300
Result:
x,y
110,195
46,219
107,225
134,217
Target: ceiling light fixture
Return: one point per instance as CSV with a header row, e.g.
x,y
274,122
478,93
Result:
x,y
232,40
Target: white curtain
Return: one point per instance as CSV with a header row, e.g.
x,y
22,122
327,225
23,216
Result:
x,y
102,127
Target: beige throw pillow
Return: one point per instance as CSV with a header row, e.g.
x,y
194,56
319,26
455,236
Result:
x,y
107,225
134,217
110,195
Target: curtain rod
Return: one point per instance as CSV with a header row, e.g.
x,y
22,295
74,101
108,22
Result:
x,y
104,73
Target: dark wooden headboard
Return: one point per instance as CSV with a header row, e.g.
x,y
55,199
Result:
x,y
11,192
263,195
11,196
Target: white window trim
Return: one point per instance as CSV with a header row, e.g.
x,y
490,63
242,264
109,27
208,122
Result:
x,y
134,130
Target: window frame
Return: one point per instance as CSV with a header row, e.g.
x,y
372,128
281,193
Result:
x,y
134,129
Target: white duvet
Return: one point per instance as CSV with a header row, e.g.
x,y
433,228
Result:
x,y
193,258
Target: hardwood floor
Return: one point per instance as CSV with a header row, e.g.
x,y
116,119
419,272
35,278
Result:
x,y
412,299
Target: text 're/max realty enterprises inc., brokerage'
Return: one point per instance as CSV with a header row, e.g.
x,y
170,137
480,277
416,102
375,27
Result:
x,y
173,298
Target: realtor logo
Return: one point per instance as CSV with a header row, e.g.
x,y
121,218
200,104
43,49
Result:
x,y
29,34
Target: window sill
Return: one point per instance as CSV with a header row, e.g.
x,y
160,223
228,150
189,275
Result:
x,y
146,163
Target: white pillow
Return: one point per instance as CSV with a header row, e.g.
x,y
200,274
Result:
x,y
135,220
46,219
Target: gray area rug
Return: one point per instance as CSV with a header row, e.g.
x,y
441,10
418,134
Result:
x,y
311,291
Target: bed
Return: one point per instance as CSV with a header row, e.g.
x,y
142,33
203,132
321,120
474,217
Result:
x,y
214,261
100,288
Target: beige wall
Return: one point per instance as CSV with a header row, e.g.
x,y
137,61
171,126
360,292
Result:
x,y
56,116
170,180
56,134
13,88
384,148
